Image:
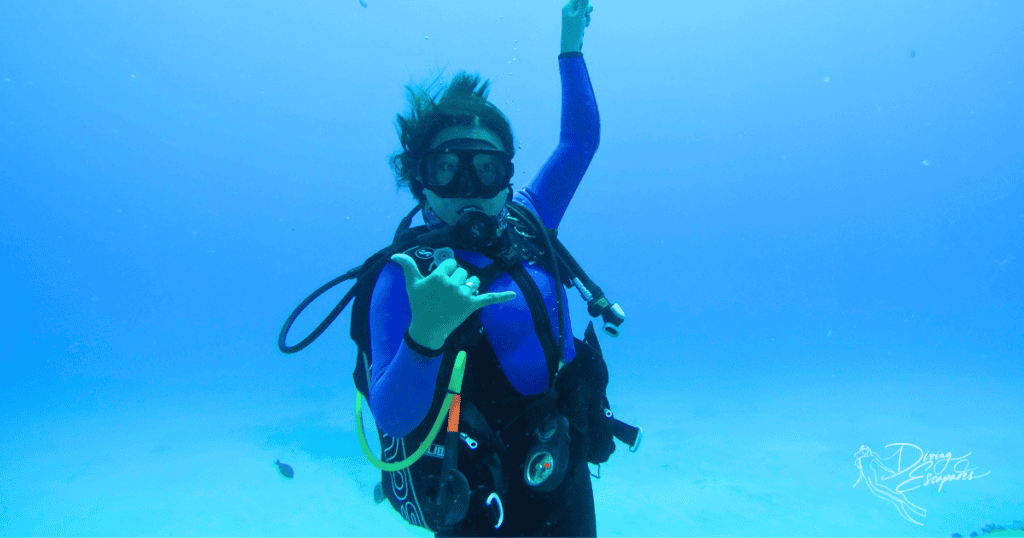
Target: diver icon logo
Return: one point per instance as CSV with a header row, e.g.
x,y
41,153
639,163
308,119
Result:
x,y
425,253
914,468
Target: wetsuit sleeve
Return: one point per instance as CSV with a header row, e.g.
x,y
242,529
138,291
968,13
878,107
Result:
x,y
402,382
550,192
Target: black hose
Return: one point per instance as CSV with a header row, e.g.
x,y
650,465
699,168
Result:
x,y
543,230
326,322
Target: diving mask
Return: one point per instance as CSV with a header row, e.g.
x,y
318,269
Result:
x,y
453,172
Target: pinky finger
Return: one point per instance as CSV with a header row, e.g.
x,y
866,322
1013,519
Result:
x,y
495,298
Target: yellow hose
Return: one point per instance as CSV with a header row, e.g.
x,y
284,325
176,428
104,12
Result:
x,y
454,387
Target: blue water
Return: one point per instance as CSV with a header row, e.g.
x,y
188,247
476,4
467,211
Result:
x,y
811,212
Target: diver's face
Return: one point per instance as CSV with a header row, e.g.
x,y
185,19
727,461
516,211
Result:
x,y
447,209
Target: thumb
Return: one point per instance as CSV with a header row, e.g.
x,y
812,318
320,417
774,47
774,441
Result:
x,y
409,268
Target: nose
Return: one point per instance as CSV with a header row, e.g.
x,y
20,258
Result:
x,y
466,185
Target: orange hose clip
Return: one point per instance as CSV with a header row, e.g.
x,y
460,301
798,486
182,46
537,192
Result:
x,y
453,413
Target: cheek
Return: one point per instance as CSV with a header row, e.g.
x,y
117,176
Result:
x,y
495,204
448,214
440,208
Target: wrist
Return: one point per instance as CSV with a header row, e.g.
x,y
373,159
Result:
x,y
571,45
426,340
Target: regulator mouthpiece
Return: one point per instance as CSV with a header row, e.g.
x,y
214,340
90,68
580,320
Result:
x,y
475,229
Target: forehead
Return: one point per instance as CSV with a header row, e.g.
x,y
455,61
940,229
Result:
x,y
467,131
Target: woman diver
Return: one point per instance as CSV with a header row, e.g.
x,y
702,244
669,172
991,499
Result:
x,y
456,159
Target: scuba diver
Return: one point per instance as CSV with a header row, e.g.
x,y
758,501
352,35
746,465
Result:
x,y
462,322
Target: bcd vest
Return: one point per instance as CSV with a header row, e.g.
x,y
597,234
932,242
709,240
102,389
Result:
x,y
496,424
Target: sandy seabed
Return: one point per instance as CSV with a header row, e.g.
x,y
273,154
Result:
x,y
717,458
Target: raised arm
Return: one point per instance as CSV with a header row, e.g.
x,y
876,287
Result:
x,y
551,190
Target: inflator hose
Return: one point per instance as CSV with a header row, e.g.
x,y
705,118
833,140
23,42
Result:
x,y
454,387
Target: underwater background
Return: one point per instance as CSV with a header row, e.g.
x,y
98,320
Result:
x,y
811,212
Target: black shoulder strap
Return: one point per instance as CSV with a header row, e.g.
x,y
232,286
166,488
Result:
x,y
359,327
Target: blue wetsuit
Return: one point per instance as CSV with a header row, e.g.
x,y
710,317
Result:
x,y
403,381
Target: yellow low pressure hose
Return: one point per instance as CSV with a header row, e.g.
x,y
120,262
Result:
x,y
454,388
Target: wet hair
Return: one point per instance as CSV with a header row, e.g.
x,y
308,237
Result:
x,y
462,102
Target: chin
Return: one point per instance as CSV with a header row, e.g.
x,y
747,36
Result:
x,y
449,209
